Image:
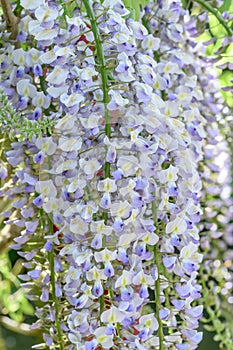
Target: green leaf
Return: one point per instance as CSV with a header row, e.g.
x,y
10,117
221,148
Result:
x,y
144,2
135,6
219,325
205,320
209,328
225,80
216,28
185,4
27,308
70,9
217,337
227,6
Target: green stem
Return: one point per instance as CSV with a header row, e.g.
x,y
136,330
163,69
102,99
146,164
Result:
x,y
216,13
104,75
54,297
146,25
157,282
65,12
118,328
100,63
101,300
43,85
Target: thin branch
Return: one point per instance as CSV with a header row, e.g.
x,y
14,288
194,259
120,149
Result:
x,y
11,20
17,327
216,13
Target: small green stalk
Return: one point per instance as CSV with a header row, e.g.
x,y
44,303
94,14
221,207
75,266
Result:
x,y
157,282
104,76
53,280
54,297
101,301
100,62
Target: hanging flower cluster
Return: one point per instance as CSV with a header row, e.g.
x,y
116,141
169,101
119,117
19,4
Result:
x,y
216,226
109,199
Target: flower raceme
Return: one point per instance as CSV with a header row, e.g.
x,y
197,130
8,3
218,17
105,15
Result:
x,y
113,192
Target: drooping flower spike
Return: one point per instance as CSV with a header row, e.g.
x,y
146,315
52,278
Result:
x,y
113,191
